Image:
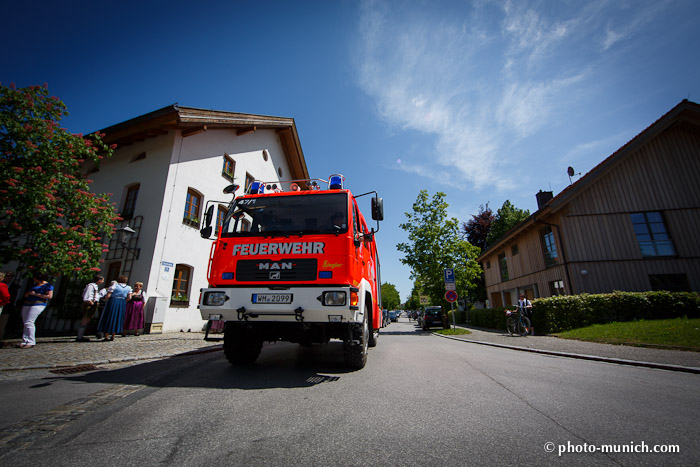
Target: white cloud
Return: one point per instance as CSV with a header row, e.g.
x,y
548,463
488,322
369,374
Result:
x,y
482,81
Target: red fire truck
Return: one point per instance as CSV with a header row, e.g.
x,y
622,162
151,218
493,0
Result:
x,y
297,265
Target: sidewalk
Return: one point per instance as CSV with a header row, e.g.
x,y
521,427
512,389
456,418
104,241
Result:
x,y
61,352
677,360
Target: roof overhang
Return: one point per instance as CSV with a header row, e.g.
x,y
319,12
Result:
x,y
190,121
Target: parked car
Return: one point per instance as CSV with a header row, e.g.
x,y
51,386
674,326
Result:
x,y
432,317
393,316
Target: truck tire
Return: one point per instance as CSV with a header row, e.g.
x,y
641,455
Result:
x,y
373,335
241,346
355,349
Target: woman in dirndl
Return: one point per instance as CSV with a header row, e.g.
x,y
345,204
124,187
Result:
x,y
133,320
112,319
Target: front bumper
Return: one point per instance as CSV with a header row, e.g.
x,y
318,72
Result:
x,y
299,304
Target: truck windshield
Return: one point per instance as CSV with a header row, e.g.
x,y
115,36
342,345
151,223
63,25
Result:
x,y
287,215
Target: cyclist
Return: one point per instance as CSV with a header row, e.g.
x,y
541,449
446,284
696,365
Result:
x,y
525,306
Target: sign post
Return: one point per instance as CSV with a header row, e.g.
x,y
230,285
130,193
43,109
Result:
x,y
451,295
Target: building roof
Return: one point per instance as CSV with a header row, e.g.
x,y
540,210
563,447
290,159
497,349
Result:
x,y
685,115
191,120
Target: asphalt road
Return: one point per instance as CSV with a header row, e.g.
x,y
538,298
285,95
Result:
x,y
421,400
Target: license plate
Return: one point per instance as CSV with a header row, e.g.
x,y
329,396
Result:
x,y
272,298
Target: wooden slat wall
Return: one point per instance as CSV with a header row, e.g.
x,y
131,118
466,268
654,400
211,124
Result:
x,y
663,175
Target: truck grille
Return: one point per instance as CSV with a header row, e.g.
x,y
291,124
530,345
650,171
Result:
x,y
276,271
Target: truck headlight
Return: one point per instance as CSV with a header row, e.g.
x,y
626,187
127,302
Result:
x,y
334,298
214,298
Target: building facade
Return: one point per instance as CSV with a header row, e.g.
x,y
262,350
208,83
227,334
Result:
x,y
630,224
167,166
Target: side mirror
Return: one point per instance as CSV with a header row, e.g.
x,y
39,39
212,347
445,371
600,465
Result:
x,y
206,232
377,209
209,215
231,189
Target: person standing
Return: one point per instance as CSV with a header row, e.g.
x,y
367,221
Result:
x,y
91,299
5,299
112,319
35,301
133,319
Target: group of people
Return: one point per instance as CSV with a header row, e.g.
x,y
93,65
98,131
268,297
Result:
x,y
123,311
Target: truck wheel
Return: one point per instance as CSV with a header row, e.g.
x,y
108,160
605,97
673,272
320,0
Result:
x,y
241,346
355,349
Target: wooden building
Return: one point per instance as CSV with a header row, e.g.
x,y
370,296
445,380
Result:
x,y
631,224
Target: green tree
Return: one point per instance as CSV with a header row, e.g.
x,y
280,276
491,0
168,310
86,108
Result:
x,y
49,220
507,217
413,302
390,296
434,243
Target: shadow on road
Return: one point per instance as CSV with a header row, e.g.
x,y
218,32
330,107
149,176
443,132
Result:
x,y
280,365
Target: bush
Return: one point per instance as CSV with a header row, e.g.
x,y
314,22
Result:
x,y
490,318
564,312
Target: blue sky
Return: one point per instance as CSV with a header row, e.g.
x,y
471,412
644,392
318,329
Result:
x,y
482,100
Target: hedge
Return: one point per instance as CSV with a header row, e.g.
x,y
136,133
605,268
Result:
x,y
564,312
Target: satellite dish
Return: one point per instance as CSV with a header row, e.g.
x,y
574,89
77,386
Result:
x,y
571,173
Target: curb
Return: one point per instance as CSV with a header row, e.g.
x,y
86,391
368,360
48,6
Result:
x,y
618,361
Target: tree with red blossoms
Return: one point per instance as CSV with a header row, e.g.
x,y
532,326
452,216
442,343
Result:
x,y
49,219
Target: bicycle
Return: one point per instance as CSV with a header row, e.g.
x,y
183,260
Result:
x,y
517,324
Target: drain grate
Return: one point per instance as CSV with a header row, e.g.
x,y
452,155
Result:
x,y
75,369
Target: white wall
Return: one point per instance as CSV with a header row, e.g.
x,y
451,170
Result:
x,y
172,165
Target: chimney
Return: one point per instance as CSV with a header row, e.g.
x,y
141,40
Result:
x,y
543,197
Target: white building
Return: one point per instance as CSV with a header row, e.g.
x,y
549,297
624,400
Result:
x,y
167,165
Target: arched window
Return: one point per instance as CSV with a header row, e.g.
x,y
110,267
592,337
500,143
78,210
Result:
x,y
132,194
193,205
229,167
220,216
181,285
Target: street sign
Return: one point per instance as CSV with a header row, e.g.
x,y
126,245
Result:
x,y
450,286
451,296
449,276
424,300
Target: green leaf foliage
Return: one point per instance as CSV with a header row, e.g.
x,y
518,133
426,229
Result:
x,y
507,217
390,297
49,220
434,243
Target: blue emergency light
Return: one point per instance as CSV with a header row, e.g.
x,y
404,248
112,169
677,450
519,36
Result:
x,y
256,187
335,182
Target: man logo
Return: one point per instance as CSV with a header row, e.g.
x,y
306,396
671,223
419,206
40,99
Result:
x,y
275,275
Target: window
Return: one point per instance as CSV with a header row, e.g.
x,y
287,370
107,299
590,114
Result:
x,y
245,225
113,272
220,217
249,179
503,265
514,250
138,157
556,288
550,246
652,236
670,282
192,207
181,285
229,167
488,264
132,194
